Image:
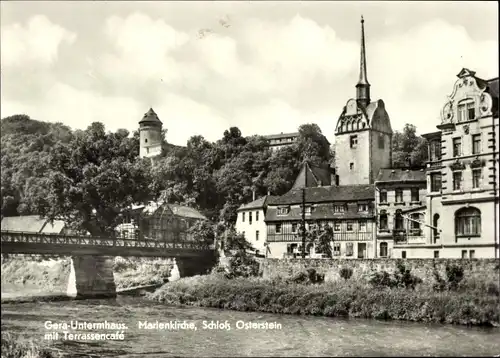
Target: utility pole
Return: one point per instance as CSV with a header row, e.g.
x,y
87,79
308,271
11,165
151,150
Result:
x,y
304,223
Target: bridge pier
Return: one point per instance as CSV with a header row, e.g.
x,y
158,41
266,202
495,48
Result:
x,y
186,267
91,277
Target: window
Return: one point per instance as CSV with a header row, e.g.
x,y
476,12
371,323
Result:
x,y
278,228
435,150
399,195
147,150
381,143
464,254
354,141
257,235
361,250
250,218
362,207
457,180
351,166
476,178
415,222
403,254
436,254
336,226
476,143
145,140
256,216
435,182
362,225
435,223
457,147
243,233
383,249
336,249
339,208
468,222
308,209
466,110
383,196
283,210
294,227
349,249
383,220
472,254
415,195
349,226
398,221
243,217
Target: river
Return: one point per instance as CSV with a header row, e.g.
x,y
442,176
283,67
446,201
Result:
x,y
298,336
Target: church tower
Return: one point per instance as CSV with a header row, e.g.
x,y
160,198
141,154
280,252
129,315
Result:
x,y
150,128
363,136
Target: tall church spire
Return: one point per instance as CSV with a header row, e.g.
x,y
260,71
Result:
x,y
363,87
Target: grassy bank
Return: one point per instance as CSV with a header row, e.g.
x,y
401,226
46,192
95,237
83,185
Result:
x,y
339,299
13,347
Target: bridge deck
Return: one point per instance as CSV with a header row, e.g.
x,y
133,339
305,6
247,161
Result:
x,y
35,243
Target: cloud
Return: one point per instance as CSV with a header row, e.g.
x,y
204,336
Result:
x,y
35,43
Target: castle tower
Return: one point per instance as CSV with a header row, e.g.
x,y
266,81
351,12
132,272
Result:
x,y
150,128
363,136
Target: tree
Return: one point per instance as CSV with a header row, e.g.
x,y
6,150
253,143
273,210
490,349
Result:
x,y
313,145
202,232
92,180
321,236
408,148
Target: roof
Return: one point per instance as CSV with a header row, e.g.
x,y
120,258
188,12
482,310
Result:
x,y
31,223
178,210
432,135
321,212
259,203
311,175
328,194
401,175
150,117
493,87
282,135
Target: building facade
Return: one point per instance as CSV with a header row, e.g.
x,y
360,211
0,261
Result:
x,y
277,141
400,196
462,174
251,223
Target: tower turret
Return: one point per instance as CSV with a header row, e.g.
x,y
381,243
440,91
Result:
x,y
363,87
150,128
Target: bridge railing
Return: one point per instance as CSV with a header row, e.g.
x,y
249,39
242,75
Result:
x,y
58,239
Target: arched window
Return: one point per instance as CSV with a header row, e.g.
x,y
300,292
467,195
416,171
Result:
x,y
359,124
398,220
383,249
468,222
310,248
435,223
466,110
383,220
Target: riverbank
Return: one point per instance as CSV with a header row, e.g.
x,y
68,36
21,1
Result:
x,y
333,299
14,347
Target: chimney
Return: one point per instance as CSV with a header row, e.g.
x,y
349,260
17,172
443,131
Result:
x,y
253,195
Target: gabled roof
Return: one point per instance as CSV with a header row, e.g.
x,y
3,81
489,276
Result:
x,y
313,175
31,223
150,117
328,194
401,175
177,210
259,203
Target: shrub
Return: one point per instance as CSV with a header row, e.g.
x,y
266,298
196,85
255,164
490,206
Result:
x,y
310,276
404,278
242,265
345,273
382,279
454,275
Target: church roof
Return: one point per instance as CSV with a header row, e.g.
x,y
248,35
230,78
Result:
x,y
328,194
401,175
150,117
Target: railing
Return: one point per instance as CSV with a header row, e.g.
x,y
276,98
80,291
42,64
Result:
x,y
57,239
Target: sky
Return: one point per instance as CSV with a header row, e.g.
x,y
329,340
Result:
x,y
264,67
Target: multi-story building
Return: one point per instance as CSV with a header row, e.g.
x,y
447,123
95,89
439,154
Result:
x,y
281,140
400,206
251,223
462,174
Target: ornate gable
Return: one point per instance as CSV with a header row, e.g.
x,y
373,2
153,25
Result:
x,y
468,100
352,119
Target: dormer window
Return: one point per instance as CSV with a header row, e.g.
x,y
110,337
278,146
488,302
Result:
x,y
308,209
466,110
339,208
362,207
284,210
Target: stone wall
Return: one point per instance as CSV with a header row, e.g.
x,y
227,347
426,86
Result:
x,y
485,269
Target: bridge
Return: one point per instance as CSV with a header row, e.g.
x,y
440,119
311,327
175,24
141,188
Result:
x,y
92,268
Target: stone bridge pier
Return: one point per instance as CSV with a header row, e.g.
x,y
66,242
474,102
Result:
x,y
192,266
91,277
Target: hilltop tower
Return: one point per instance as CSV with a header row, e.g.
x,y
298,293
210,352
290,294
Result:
x,y
150,128
363,136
